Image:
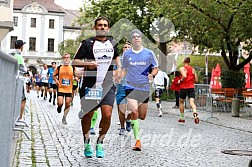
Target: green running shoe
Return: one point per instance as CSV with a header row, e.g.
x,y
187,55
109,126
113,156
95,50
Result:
x,y
99,151
88,151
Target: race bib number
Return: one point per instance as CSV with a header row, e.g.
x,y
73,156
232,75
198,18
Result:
x,y
93,93
65,82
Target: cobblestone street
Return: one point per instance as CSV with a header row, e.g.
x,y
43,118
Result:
x,y
165,142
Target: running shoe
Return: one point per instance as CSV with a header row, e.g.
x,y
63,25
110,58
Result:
x,y
160,113
128,126
21,120
181,120
99,151
53,102
92,131
196,118
137,146
59,109
64,120
122,131
50,99
88,150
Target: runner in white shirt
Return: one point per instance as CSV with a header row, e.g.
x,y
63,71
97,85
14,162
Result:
x,y
159,86
97,89
44,79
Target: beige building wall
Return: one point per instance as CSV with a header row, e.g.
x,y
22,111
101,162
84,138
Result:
x,y
6,11
6,19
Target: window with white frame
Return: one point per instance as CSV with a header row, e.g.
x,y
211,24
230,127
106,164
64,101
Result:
x,y
32,44
33,22
15,21
50,45
51,23
12,42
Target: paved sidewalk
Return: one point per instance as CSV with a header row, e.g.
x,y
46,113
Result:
x,y
223,119
165,142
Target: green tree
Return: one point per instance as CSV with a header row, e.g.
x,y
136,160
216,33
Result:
x,y
140,12
133,10
214,25
69,46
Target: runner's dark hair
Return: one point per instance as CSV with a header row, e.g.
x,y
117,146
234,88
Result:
x,y
101,18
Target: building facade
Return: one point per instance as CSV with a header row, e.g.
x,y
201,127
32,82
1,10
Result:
x,y
40,23
6,24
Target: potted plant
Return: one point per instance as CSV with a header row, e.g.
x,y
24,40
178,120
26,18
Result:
x,y
236,80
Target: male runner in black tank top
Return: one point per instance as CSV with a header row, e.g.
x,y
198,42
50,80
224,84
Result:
x,y
97,89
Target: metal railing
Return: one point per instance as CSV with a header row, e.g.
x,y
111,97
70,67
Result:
x,y
11,88
202,91
8,71
18,97
204,99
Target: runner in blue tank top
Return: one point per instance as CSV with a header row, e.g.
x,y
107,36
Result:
x,y
51,83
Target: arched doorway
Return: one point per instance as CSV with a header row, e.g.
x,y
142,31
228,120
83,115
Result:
x,y
33,69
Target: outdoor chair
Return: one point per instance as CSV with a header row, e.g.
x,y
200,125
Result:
x,y
229,94
247,103
218,96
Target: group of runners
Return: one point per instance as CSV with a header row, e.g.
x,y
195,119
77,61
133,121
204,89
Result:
x,y
59,82
134,69
101,67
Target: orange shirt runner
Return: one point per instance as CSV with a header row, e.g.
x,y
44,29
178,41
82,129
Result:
x,y
65,78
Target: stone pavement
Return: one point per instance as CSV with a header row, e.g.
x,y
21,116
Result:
x,y
165,142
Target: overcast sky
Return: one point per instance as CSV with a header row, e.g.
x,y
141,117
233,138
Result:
x,y
70,4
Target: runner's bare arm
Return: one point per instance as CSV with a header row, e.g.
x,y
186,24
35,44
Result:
x,y
81,63
183,73
124,72
55,76
195,76
118,74
55,79
153,73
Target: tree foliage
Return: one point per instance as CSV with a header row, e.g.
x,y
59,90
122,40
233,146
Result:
x,y
69,46
214,25
139,12
134,10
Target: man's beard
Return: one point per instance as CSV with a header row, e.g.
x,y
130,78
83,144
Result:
x,y
101,33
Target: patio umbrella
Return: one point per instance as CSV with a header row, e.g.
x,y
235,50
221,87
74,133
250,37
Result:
x,y
217,77
212,79
247,75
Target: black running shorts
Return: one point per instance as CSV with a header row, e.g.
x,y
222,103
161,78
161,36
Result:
x,y
187,92
90,105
